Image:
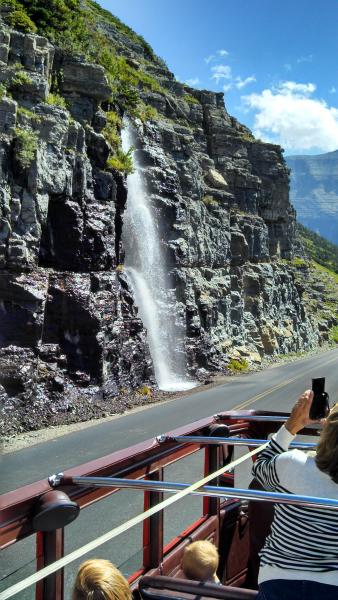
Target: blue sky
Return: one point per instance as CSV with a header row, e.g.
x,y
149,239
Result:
x,y
276,61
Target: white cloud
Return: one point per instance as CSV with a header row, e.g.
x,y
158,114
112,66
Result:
x,y
290,116
241,83
304,59
221,72
227,87
192,81
292,87
332,90
209,58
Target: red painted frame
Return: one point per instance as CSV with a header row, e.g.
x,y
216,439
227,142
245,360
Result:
x,y
150,457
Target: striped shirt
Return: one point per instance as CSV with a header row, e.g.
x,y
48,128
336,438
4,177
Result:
x,y
303,543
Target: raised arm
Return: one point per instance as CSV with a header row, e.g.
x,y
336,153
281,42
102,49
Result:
x,y
271,462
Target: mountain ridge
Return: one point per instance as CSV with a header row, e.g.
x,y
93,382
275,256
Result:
x,y
314,191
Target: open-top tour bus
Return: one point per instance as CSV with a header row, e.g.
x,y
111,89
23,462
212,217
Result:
x,y
131,507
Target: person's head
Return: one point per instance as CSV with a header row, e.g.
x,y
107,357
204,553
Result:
x,y
200,561
327,448
98,579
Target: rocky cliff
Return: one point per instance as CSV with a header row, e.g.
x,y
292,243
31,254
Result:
x,y
314,192
71,338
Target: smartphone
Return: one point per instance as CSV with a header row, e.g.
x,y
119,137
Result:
x,y
320,407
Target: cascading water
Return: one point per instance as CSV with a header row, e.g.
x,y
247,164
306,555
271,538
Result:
x,y
145,268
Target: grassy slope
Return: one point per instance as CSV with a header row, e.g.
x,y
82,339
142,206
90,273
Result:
x,y
317,275
319,249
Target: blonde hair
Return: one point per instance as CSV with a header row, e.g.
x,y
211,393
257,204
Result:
x,y
99,579
200,560
327,448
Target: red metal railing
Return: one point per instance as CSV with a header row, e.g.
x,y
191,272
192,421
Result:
x,y
143,460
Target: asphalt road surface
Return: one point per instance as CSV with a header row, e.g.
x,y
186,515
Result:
x,y
272,389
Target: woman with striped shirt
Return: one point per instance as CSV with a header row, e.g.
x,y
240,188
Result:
x,y
300,558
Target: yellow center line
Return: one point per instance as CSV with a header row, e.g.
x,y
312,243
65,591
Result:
x,y
247,403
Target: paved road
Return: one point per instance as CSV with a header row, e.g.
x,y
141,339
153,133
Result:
x,y
273,389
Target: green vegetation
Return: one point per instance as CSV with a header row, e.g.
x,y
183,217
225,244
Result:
x,y
248,137
2,91
145,390
190,99
210,201
319,249
112,129
319,295
325,271
56,100
75,27
21,78
26,141
62,21
145,112
121,161
298,262
334,334
106,15
29,114
17,16
238,365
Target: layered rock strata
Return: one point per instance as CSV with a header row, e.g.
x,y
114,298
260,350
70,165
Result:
x,y
70,335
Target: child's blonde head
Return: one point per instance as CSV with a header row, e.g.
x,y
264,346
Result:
x,y
200,561
98,579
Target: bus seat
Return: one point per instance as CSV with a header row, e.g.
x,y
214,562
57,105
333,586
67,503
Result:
x,y
168,588
260,519
233,547
171,565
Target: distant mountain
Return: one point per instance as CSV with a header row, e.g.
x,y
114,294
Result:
x,y
314,192
319,249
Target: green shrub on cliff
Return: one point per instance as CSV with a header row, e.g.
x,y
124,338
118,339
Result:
x,y
145,112
56,100
26,144
238,365
15,15
21,78
190,99
333,335
122,161
77,28
112,129
28,114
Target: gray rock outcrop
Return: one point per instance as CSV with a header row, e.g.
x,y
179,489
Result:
x,y
71,338
70,334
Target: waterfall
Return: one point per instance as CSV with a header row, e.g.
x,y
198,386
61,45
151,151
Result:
x,y
146,270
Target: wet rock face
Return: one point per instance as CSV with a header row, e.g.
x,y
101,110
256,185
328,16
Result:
x,y
222,203
70,336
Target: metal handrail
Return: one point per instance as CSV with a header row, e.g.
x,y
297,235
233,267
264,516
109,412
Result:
x,y
239,417
233,441
207,490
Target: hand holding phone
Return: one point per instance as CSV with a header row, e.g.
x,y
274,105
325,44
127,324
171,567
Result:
x,y
320,407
